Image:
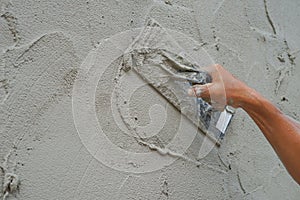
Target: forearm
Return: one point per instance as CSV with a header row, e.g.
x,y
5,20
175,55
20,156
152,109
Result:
x,y
282,132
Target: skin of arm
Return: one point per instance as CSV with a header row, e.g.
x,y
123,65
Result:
x,y
282,132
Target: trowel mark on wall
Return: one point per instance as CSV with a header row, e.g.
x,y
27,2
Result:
x,y
240,182
12,25
282,74
268,17
291,55
167,152
35,44
3,90
282,60
287,70
165,192
10,185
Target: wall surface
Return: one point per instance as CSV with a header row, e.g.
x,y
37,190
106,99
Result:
x,y
42,46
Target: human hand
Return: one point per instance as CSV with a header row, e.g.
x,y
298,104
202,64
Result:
x,y
224,89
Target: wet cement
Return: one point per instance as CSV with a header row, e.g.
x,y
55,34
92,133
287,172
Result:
x,y
42,47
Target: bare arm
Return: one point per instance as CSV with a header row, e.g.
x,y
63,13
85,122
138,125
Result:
x,y
282,132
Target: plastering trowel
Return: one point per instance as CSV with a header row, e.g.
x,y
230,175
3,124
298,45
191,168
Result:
x,y
157,58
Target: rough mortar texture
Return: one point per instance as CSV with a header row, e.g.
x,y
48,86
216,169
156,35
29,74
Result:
x,y
42,45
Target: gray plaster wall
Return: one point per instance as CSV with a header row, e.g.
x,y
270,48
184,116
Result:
x,y
42,46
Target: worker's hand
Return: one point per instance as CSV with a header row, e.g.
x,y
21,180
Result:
x,y
224,90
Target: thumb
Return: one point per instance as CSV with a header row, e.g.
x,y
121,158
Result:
x,y
201,91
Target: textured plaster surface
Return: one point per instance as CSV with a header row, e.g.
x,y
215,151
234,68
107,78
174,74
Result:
x,y
42,45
